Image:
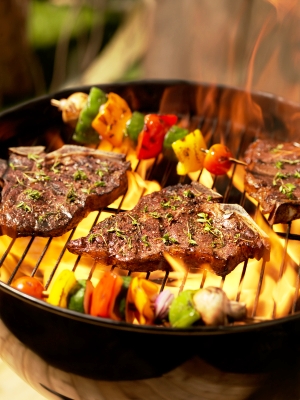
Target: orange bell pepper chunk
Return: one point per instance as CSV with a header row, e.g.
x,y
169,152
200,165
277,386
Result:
x,y
140,298
103,294
111,120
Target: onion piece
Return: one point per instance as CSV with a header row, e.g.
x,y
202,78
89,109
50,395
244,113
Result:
x,y
162,304
71,107
215,307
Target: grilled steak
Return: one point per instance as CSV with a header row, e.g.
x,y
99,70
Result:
x,y
273,177
49,194
185,221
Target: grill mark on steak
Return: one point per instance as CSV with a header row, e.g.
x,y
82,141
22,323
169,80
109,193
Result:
x,y
49,194
179,220
272,178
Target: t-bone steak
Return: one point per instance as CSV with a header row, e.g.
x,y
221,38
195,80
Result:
x,y
186,221
273,178
47,194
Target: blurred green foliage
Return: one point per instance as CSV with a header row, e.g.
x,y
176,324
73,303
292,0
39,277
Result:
x,y
49,23
47,20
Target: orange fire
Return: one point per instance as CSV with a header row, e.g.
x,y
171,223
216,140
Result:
x,y
267,288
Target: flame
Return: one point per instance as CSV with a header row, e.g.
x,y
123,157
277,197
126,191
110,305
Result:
x,y
283,7
276,289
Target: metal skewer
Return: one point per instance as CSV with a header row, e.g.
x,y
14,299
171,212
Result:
x,y
235,160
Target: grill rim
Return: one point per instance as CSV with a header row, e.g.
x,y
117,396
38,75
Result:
x,y
6,292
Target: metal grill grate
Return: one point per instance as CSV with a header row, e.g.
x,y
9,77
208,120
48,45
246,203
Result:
x,y
215,130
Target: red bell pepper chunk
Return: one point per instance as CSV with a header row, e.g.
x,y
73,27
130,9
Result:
x,y
102,295
150,140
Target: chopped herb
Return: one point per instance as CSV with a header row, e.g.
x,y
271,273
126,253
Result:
x,y
12,166
237,236
41,176
79,175
203,218
144,239
129,242
99,184
103,168
191,241
24,206
175,197
42,217
291,162
134,221
279,164
155,214
209,198
145,209
209,228
93,236
188,193
288,190
88,190
297,174
165,204
118,232
55,166
277,148
35,157
91,189
278,176
71,195
169,217
20,182
167,239
99,172
30,178
33,194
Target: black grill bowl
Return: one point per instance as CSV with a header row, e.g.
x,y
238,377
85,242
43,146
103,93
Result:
x,y
109,350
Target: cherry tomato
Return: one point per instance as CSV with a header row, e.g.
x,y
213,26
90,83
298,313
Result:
x,y
29,285
151,138
217,160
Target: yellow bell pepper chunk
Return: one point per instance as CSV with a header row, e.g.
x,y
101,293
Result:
x,y
111,120
188,152
140,297
63,284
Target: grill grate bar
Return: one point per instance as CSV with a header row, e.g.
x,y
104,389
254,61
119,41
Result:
x,y
261,277
7,251
164,281
41,256
241,281
59,259
283,261
20,260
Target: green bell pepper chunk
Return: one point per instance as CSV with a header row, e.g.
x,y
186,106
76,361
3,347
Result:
x,y
76,296
84,133
174,133
134,125
182,312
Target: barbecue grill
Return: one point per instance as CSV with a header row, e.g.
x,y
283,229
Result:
x,y
110,350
